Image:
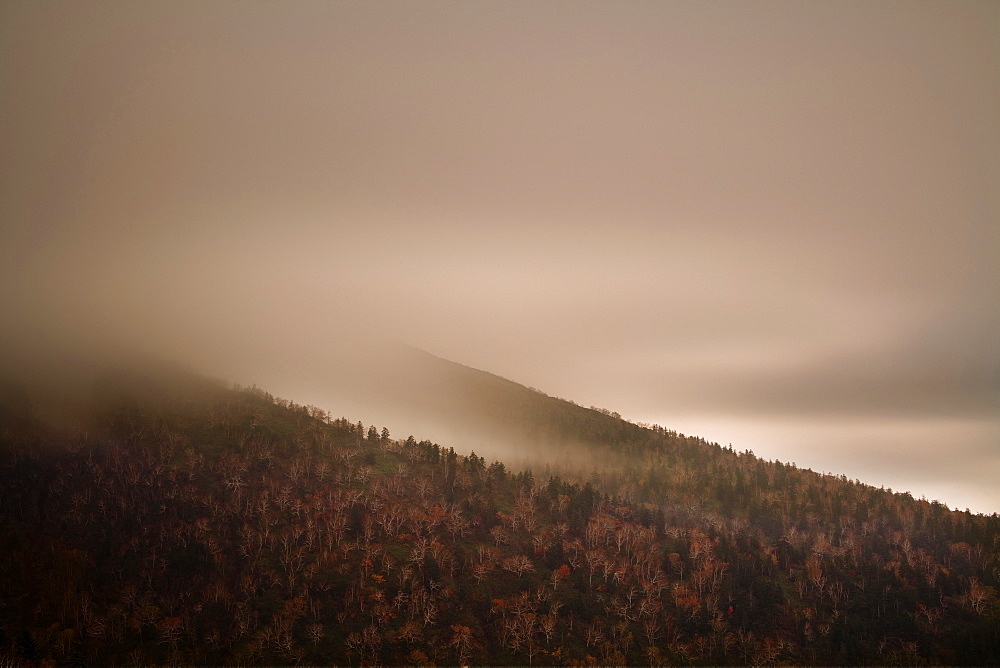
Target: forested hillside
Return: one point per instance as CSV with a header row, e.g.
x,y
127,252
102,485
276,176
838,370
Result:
x,y
185,522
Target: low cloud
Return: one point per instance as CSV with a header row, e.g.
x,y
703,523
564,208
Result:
x,y
781,214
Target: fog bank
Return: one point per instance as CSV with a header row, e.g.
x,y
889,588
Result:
x,y
774,222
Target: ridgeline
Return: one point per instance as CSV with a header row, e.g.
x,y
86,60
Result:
x,y
182,521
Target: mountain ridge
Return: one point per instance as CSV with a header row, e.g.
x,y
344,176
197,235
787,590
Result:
x,y
201,524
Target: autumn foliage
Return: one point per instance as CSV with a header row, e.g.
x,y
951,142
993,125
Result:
x,y
230,526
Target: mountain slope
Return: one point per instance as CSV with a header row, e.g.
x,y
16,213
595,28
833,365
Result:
x,y
421,393
181,521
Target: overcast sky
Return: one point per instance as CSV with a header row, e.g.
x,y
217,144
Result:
x,y
775,225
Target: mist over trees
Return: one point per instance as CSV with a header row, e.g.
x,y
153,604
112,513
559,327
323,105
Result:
x,y
179,521
771,223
